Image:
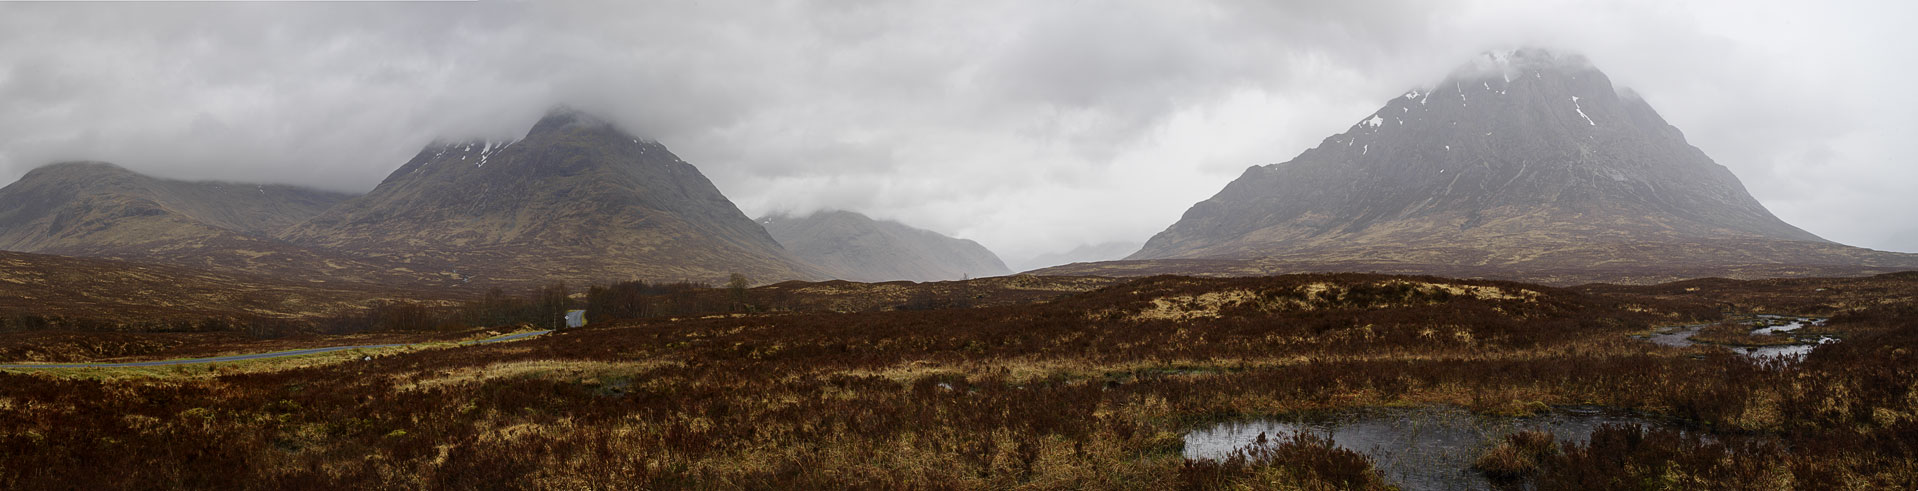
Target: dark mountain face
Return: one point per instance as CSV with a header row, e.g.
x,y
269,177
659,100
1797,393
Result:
x,y
576,199
1515,158
851,246
101,210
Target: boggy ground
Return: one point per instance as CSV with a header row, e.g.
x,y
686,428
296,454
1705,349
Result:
x,y
1089,390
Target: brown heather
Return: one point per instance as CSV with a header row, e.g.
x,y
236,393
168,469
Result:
x,y
1739,334
1077,392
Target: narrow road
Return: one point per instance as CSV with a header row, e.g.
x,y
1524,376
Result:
x,y
257,356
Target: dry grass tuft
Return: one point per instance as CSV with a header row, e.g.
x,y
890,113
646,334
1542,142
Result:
x,y
595,372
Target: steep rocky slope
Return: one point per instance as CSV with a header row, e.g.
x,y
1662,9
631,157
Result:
x,y
1517,164
577,200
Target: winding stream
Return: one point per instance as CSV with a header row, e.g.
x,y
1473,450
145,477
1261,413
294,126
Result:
x,y
1682,336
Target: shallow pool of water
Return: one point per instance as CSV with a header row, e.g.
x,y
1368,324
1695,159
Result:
x,y
1682,336
1415,448
1677,337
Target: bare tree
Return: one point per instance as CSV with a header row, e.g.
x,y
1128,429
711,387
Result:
x,y
737,285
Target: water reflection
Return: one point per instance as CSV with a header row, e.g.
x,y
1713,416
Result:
x,y
1785,323
1415,448
1789,351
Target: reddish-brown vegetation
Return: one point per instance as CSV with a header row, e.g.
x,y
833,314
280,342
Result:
x,y
1088,390
1739,334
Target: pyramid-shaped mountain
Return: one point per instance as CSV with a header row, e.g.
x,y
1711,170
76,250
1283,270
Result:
x,y
577,200
1523,164
852,246
97,209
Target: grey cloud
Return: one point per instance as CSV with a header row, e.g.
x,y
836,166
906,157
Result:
x,y
1032,127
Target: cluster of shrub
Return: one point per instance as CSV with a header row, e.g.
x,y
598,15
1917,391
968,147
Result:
x,y
639,300
545,307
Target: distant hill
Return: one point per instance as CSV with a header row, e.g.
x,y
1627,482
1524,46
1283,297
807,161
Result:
x,y
96,209
1524,165
1107,251
851,246
576,200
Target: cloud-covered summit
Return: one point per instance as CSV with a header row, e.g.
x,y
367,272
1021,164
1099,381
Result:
x,y
1032,127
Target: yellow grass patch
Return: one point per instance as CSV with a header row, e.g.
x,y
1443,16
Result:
x,y
1202,306
1475,291
572,369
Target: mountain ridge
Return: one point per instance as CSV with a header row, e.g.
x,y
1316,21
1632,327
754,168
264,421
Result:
x,y
852,246
1516,160
102,210
1084,253
576,199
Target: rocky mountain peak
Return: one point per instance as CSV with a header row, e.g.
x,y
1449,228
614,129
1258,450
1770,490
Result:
x,y
589,201
1521,150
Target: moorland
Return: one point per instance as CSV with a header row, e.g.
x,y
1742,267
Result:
x,y
1020,381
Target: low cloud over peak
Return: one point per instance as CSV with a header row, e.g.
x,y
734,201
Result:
x,y
1031,127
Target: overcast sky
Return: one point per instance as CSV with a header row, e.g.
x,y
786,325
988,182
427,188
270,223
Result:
x,y
1031,127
